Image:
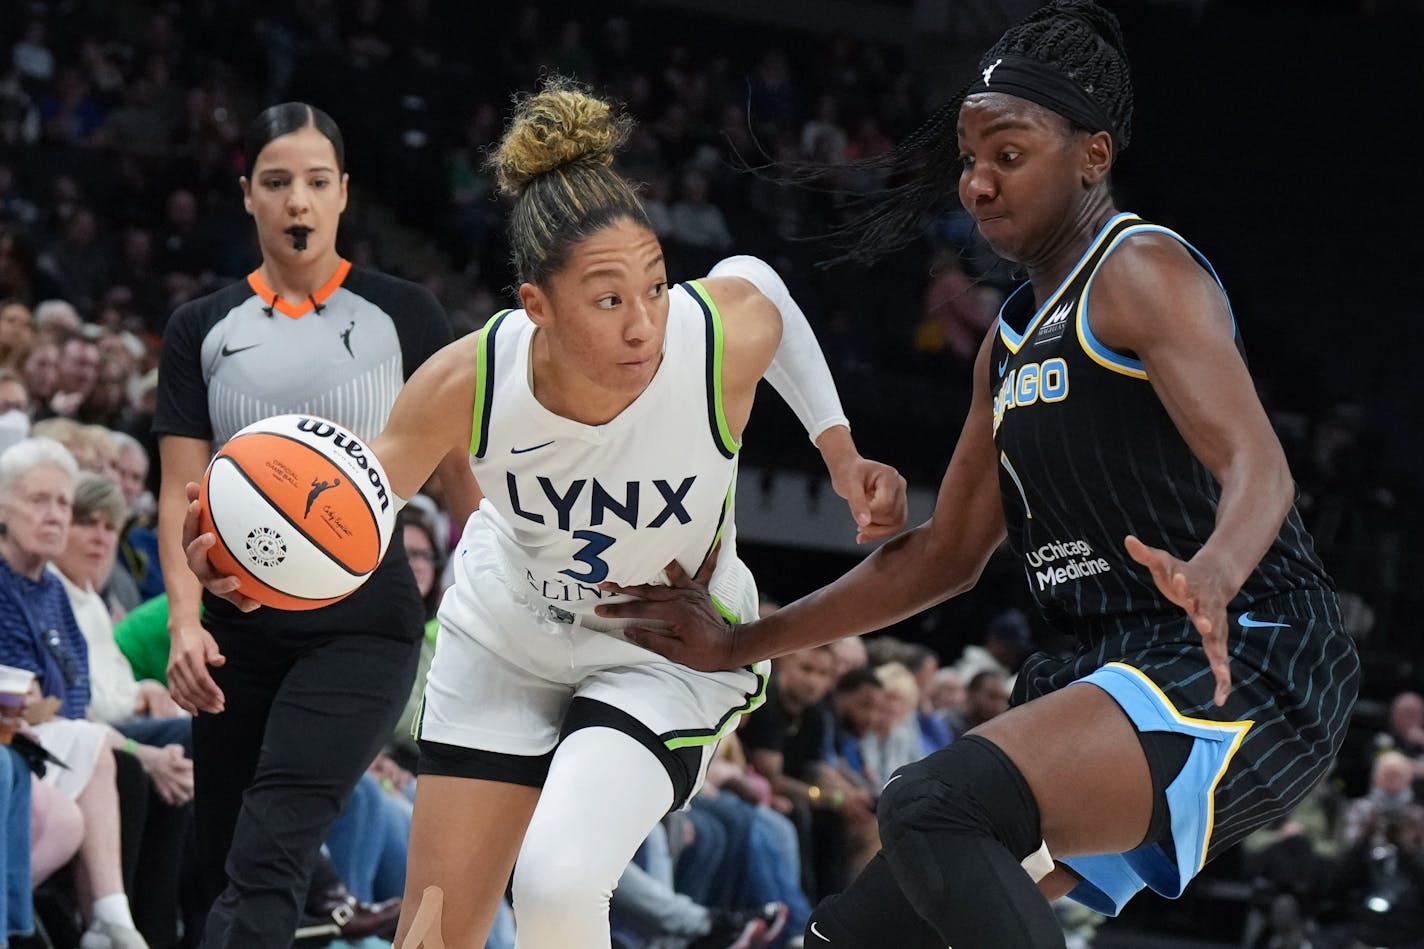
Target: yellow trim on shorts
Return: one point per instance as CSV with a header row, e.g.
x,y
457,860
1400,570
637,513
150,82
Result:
x,y
1240,728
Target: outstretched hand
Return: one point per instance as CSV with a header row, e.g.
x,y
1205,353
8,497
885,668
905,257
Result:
x,y
196,546
1201,590
877,497
691,631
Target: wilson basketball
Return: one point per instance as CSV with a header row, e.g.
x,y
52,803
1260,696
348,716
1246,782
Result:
x,y
301,510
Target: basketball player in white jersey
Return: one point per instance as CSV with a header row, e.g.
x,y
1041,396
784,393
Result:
x,y
607,417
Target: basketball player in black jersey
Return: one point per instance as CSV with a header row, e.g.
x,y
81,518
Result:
x,y
291,706
1116,441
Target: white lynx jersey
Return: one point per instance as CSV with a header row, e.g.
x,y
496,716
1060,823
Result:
x,y
574,504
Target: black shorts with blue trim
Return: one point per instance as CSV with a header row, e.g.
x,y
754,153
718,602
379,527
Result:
x,y
1294,676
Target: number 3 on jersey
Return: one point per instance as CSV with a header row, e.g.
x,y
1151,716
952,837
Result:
x,y
594,544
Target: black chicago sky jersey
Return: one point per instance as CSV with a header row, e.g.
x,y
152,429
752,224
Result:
x,y
1088,455
242,354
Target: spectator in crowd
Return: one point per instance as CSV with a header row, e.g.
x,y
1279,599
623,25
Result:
x,y
41,374
1390,790
785,741
957,312
142,709
699,230
78,374
21,276
57,319
1007,642
38,632
427,561
986,696
14,397
947,697
1381,882
157,822
16,900
895,740
138,540
17,334
849,653
923,663
647,902
1406,725
857,707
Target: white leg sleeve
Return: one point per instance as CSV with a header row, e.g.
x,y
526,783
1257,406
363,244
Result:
x,y
603,795
798,370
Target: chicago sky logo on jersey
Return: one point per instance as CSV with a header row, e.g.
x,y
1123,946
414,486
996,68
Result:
x,y
1052,328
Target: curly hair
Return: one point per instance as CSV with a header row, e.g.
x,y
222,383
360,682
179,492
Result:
x,y
556,161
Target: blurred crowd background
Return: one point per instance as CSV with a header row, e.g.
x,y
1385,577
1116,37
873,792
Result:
x,y
1278,138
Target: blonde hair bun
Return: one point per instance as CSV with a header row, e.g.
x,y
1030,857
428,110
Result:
x,y
560,125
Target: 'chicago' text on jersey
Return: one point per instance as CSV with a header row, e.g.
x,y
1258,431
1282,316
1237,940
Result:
x,y
1029,384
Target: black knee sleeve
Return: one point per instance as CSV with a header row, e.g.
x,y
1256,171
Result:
x,y
971,787
954,828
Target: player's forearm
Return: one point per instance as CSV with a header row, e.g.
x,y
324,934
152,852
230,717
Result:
x,y
1256,493
901,578
185,592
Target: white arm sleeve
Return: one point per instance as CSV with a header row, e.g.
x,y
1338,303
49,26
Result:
x,y
798,371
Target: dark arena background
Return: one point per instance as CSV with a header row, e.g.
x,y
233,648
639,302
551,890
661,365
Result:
x,y
1282,139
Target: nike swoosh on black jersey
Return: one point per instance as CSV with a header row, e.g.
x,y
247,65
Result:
x,y
230,351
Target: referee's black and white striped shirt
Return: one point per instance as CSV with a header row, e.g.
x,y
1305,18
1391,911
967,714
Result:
x,y
1088,455
243,354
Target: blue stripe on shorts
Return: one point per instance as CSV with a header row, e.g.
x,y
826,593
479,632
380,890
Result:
x,y
1110,880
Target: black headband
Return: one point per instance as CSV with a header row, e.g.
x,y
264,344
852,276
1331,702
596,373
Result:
x,y
1047,86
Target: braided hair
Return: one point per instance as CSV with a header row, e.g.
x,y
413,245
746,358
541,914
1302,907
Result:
x,y
1078,37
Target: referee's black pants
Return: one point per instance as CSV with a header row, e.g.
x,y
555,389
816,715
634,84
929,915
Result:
x,y
303,718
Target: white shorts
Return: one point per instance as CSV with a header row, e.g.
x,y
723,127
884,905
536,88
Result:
x,y
78,743
506,671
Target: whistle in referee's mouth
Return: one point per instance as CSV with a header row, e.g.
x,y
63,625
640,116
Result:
x,y
299,236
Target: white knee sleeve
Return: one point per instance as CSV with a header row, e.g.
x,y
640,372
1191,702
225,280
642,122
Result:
x,y
603,795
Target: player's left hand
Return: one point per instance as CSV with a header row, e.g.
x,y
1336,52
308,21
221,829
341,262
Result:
x,y
877,497
1200,587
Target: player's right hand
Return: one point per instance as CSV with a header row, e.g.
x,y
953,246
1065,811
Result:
x,y
686,626
196,547
191,650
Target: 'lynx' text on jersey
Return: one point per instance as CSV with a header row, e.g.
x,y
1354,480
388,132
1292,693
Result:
x,y
576,504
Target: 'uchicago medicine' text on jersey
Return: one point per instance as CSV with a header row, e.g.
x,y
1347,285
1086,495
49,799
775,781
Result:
x,y
575,504
1088,455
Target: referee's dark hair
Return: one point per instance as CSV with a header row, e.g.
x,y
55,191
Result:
x,y
1079,38
278,120
556,162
